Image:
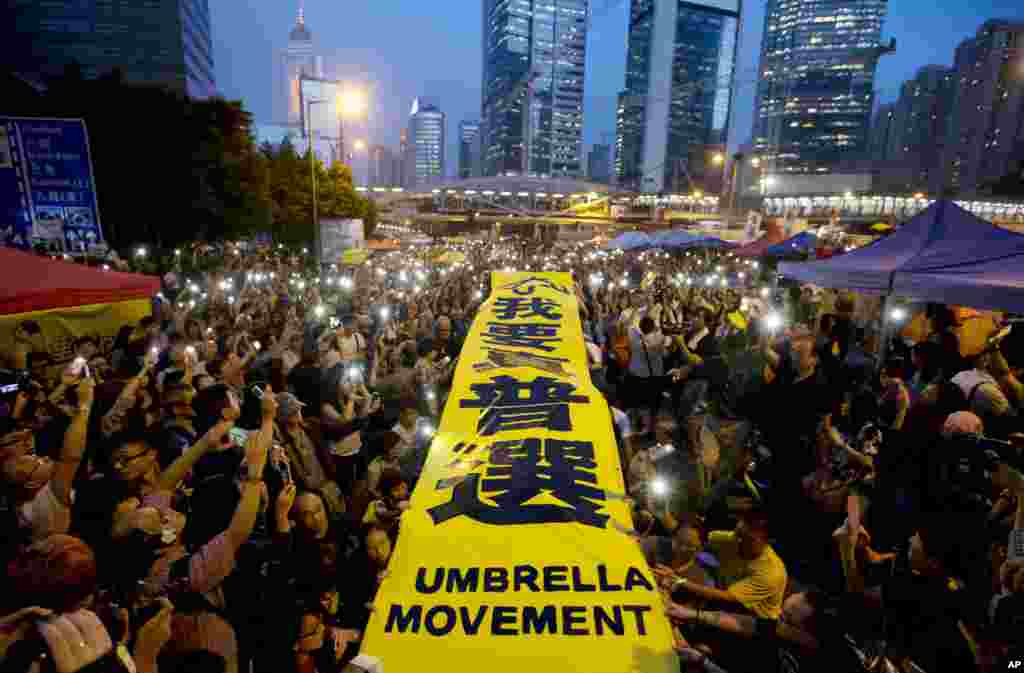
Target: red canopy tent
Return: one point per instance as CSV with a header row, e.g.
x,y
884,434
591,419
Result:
x,y
34,283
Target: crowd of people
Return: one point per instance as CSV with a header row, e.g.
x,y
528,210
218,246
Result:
x,y
816,485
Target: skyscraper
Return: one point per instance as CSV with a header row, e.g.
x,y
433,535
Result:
x,y
599,164
163,43
881,131
534,52
914,133
985,139
469,149
673,114
382,167
816,81
403,160
426,144
297,59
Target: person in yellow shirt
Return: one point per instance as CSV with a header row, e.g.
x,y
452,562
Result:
x,y
752,573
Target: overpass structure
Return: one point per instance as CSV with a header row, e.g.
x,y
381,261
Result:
x,y
532,195
884,207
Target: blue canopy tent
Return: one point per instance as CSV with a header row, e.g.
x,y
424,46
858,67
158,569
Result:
x,y
712,243
631,240
802,243
674,239
943,254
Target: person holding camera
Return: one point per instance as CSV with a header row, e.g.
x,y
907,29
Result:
x,y
42,488
155,550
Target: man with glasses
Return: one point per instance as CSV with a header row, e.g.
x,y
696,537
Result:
x,y
42,487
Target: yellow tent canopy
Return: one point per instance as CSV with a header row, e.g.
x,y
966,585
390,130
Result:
x,y
452,257
355,256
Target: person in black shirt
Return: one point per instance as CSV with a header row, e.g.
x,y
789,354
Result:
x,y
927,608
305,380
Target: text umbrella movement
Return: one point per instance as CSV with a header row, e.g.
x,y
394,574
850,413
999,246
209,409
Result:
x,y
515,550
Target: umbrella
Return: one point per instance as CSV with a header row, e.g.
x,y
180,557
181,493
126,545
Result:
x,y
673,239
712,243
631,240
804,242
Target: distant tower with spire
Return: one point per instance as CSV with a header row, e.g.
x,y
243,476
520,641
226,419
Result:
x,y
296,59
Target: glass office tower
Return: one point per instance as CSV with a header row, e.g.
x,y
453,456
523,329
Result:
x,y
164,43
673,114
534,53
427,143
816,83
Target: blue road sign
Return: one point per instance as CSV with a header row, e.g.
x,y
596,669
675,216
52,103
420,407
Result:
x,y
47,189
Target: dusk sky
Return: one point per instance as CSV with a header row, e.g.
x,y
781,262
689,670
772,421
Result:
x,y
412,48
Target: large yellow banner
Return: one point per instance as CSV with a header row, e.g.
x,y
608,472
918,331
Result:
x,y
60,327
514,554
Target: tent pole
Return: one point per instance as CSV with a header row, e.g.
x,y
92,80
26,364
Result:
x,y
887,331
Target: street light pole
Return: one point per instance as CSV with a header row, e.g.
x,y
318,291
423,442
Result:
x,y
737,159
317,252
306,108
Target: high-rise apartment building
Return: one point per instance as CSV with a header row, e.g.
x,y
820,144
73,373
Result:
x,y
815,89
164,43
534,53
673,114
469,149
985,139
426,144
599,164
881,131
907,143
382,167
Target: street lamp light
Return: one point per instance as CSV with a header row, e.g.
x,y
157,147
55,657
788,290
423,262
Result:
x,y
351,102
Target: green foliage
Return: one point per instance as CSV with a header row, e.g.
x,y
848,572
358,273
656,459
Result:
x,y
291,194
170,170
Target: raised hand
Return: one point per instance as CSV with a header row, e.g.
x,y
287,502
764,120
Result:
x,y
75,640
269,404
86,392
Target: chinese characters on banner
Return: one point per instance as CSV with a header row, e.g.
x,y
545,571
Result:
x,y
514,528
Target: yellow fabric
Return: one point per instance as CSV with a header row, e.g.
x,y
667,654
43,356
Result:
x,y
513,554
918,329
370,517
974,330
737,319
452,258
61,326
355,256
758,584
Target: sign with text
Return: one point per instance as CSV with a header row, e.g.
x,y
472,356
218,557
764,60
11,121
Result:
x,y
514,554
47,191
337,236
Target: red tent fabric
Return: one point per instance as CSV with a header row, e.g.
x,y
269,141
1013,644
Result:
x,y
34,283
759,247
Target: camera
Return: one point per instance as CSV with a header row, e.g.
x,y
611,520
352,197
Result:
x,y
962,465
15,381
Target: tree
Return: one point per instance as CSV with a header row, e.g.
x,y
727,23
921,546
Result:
x,y
1010,185
291,194
168,169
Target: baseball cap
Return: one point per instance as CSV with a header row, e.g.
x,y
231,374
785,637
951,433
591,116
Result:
x,y
287,405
